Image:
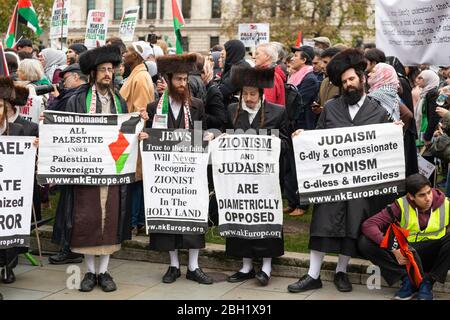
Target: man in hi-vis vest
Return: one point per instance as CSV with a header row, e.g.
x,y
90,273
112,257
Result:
x,y
424,212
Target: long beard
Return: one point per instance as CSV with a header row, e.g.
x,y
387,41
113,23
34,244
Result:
x,y
102,86
352,97
179,97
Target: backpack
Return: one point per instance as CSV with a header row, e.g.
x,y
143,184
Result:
x,y
294,106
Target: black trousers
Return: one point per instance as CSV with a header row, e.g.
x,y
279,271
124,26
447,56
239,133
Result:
x,y
432,255
9,257
290,181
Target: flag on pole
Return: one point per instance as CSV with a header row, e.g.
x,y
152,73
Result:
x,y
178,22
299,41
11,34
28,16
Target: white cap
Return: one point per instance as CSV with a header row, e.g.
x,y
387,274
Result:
x,y
143,49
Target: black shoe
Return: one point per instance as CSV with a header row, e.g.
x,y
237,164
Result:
x,y
305,283
8,275
88,283
199,276
342,282
64,257
241,276
106,282
171,275
263,278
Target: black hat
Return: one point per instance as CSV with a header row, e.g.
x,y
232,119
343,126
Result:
x,y
72,68
78,48
21,96
90,59
183,63
347,59
7,89
24,43
306,49
242,76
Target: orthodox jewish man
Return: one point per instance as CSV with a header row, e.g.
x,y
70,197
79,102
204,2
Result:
x,y
335,226
254,112
177,109
97,213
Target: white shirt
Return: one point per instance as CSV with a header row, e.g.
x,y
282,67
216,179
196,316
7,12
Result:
x,y
353,109
175,107
105,101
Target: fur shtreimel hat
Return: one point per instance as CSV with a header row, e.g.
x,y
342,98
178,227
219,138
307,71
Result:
x,y
21,98
252,77
347,59
7,91
183,63
17,95
90,59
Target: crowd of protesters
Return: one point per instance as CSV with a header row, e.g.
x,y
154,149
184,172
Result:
x,y
232,88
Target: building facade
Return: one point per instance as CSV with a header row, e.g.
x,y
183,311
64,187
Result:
x,y
202,30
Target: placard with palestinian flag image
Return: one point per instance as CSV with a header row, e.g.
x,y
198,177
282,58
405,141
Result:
x,y
84,149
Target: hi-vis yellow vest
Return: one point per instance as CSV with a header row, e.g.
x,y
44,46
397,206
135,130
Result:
x,y
436,227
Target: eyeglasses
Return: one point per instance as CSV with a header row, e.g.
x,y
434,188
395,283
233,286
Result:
x,y
104,69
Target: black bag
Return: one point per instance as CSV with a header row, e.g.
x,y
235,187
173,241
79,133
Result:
x,y
294,106
440,148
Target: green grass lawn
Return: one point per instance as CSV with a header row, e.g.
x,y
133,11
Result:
x,y
292,242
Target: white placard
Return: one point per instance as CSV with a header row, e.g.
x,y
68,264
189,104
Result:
x,y
96,29
426,168
414,31
32,109
17,165
349,163
254,34
247,185
59,24
84,149
174,171
128,23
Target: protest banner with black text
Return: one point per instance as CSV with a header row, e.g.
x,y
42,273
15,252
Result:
x,y
254,34
349,163
96,29
85,149
247,185
414,31
17,165
174,169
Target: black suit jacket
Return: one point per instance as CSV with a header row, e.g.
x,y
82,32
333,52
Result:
x,y
197,114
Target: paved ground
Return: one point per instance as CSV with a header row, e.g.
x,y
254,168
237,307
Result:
x,y
142,281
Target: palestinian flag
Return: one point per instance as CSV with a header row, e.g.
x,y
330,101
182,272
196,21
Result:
x,y
178,22
299,41
11,34
28,16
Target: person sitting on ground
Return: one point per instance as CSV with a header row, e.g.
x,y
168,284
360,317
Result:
x,y
424,212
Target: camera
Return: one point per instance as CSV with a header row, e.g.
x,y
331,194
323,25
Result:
x,y
47,88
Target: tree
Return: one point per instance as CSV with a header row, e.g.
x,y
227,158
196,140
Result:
x,y
313,17
43,9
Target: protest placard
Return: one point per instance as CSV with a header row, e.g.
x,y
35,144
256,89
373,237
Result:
x,y
32,109
18,157
349,163
254,34
128,23
96,29
247,185
59,24
85,149
176,192
414,31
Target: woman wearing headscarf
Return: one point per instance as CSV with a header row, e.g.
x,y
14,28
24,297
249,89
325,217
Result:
x,y
52,60
234,55
384,86
254,112
425,114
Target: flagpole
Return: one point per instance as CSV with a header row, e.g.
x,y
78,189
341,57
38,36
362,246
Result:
x,y
16,29
62,23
